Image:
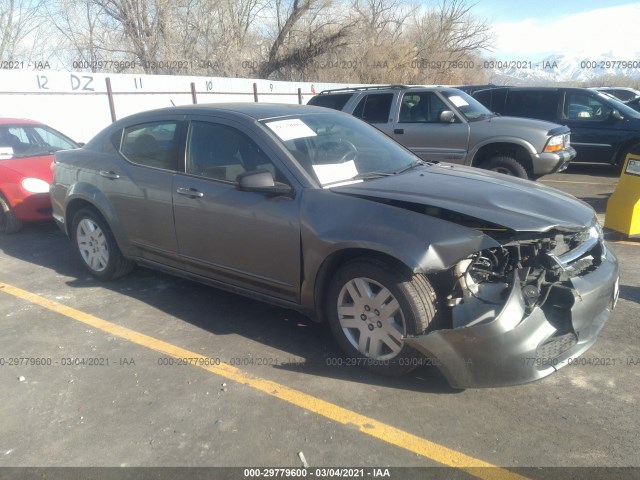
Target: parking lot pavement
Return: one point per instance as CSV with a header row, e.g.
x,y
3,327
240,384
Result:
x,y
593,183
276,390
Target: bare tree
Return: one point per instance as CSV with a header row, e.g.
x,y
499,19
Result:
x,y
143,25
447,37
368,41
19,20
379,42
78,24
304,31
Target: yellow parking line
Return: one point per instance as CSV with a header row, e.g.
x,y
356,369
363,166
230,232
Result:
x,y
624,242
366,425
572,181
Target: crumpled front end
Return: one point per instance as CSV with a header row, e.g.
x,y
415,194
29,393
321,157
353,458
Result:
x,y
519,312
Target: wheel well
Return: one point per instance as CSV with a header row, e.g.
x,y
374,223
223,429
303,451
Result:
x,y
511,149
73,207
620,155
335,261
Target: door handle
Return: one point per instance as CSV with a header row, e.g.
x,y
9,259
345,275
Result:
x,y
190,192
398,131
110,175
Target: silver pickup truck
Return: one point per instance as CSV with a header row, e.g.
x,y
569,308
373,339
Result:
x,y
446,124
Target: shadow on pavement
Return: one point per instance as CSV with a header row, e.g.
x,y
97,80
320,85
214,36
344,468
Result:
x,y
216,311
594,169
598,203
630,293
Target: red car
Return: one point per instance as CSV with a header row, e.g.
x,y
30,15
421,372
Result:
x,y
26,153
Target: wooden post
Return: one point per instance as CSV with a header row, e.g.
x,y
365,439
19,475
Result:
x,y
112,106
194,97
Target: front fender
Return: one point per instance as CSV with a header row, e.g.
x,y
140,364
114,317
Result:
x,y
331,222
502,139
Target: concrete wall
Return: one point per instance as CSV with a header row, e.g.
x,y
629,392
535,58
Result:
x,y
76,103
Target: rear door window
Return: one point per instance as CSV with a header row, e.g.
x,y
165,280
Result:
x,y
375,108
151,144
493,99
336,101
533,104
486,98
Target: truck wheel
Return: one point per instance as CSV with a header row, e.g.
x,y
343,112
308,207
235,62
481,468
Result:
x,y
371,305
8,221
505,164
97,246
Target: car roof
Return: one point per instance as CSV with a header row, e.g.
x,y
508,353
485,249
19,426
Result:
x,y
18,121
546,89
379,88
628,89
258,111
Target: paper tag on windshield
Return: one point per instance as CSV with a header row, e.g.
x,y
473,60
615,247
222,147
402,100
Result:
x,y
291,129
458,101
333,173
6,153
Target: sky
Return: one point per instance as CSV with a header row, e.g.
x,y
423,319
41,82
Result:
x,y
533,30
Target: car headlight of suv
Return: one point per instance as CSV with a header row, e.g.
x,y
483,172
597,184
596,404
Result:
x,y
556,143
35,185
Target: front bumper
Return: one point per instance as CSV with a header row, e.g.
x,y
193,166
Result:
x,y
32,207
547,163
515,348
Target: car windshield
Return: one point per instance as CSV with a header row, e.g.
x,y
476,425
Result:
x,y
625,110
338,148
468,106
21,141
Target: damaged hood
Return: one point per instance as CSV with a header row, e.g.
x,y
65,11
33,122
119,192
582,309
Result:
x,y
510,202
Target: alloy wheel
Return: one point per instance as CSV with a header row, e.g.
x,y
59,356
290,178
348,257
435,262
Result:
x,y
92,245
371,318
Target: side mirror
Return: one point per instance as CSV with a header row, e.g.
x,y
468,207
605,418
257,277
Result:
x,y
616,115
447,116
262,181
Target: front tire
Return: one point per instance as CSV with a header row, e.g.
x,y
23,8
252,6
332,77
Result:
x,y
97,246
9,223
371,305
506,165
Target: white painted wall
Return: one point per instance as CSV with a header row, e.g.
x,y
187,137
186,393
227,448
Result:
x,y
76,103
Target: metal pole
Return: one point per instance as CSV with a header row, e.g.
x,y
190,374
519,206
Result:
x,y
112,106
299,96
194,97
255,92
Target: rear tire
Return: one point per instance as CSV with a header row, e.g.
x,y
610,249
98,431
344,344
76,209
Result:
x,y
506,165
97,247
371,304
8,220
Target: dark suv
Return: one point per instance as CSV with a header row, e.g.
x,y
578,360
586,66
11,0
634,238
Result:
x,y
446,124
603,129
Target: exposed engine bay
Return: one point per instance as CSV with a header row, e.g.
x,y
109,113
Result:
x,y
543,267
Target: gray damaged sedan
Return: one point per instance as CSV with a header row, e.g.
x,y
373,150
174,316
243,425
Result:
x,y
498,279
